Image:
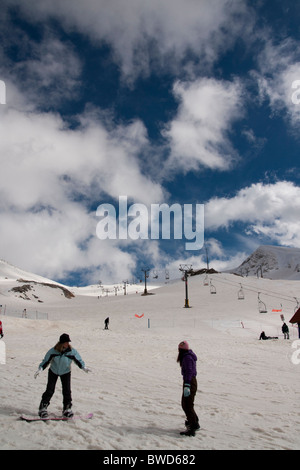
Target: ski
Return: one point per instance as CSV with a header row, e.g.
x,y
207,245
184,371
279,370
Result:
x,y
55,418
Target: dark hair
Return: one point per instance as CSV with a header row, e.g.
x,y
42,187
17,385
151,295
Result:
x,y
181,354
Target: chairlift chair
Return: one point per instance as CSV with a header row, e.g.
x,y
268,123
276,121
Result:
x,y
262,308
241,294
206,281
213,290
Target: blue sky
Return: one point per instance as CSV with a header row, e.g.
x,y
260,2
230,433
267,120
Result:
x,y
170,101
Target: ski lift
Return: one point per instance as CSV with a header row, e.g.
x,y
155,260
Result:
x,y
262,308
206,281
241,294
213,290
155,275
167,275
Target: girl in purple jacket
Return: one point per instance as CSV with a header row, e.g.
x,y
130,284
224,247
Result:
x,y
187,360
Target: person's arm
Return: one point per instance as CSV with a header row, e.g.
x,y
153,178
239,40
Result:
x,y
45,362
187,368
47,359
75,356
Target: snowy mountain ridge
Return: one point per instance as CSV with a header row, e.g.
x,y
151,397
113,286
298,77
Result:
x,y
267,261
272,262
16,282
11,272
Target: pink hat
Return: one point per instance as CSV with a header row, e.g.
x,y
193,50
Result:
x,y
183,345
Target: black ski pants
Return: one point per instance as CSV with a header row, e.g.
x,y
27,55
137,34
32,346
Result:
x,y
66,388
187,404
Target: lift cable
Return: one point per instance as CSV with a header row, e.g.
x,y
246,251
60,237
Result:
x,y
257,290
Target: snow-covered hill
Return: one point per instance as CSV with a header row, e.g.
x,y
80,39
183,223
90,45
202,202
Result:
x,y
24,285
12,273
272,262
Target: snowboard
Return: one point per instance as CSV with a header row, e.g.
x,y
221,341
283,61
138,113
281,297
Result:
x,y
55,418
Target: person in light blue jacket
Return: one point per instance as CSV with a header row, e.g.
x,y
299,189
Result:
x,y
60,358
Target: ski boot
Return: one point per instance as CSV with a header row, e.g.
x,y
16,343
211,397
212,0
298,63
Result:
x,y
67,412
43,413
196,427
189,432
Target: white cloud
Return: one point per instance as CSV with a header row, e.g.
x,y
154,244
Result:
x,y
270,210
50,73
263,211
227,263
50,174
47,69
219,259
149,31
55,244
198,135
44,160
279,68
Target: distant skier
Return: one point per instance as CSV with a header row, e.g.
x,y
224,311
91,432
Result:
x,y
187,360
60,358
285,331
106,322
1,330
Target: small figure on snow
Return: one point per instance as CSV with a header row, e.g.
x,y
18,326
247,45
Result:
x,y
187,361
60,358
1,330
106,322
263,336
285,331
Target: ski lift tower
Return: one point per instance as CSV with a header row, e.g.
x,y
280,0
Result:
x,y
146,271
207,261
187,270
125,283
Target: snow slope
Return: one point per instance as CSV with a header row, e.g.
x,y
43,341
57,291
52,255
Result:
x,y
248,389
